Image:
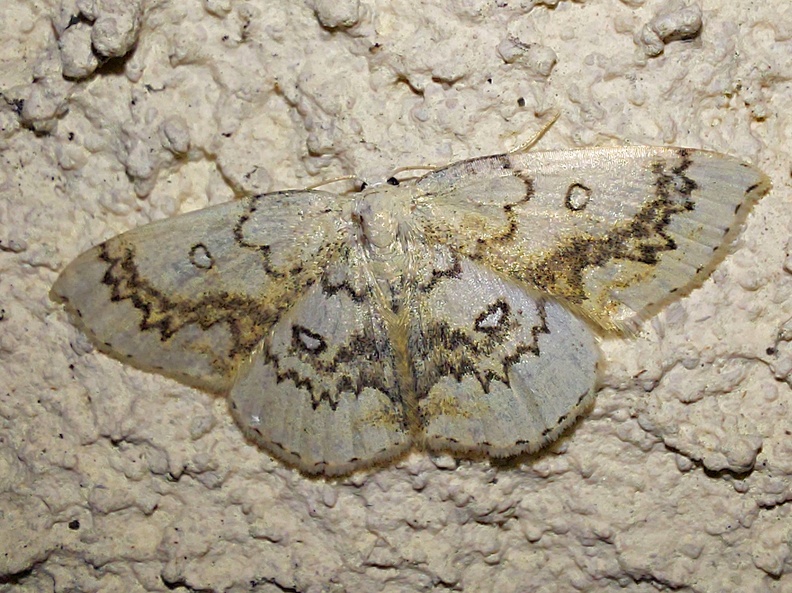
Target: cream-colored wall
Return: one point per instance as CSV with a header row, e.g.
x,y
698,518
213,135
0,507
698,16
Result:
x,y
116,480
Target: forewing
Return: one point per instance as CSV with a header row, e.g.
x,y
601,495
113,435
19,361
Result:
x,y
497,370
191,296
613,232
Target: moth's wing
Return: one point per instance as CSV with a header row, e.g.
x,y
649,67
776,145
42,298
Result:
x,y
613,232
322,392
191,296
498,370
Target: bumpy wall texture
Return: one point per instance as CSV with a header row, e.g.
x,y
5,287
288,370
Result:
x,y
117,113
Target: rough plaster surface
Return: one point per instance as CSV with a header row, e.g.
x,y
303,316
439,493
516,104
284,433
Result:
x,y
115,113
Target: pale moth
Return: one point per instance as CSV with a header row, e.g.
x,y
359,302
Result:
x,y
453,312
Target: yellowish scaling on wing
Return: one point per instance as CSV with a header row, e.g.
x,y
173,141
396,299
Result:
x,y
449,313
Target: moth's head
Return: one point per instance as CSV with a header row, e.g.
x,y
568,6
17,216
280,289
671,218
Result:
x,y
380,211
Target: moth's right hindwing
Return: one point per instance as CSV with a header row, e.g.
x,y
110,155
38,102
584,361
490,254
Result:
x,y
498,370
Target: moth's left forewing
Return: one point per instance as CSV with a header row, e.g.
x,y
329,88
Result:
x,y
190,297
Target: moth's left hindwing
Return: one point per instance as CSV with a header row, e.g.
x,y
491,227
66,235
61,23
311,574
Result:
x,y
322,391
191,296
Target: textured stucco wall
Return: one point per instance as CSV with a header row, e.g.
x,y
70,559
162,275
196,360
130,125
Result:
x,y
116,480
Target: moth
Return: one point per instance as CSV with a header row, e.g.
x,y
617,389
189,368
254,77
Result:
x,y
454,312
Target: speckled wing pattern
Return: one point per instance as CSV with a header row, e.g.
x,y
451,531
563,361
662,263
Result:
x,y
451,313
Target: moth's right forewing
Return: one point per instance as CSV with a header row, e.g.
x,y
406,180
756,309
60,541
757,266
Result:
x,y
614,233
